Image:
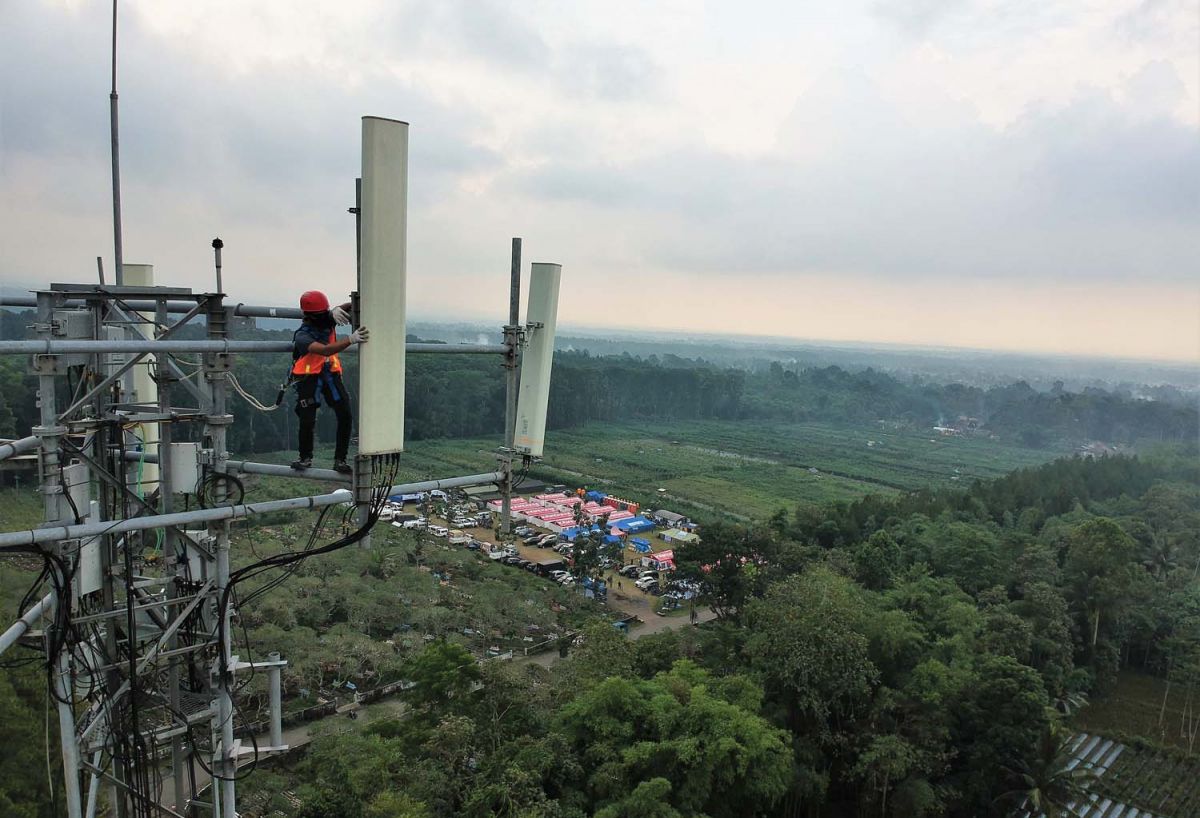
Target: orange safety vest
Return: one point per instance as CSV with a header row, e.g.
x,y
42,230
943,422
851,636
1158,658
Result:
x,y
311,363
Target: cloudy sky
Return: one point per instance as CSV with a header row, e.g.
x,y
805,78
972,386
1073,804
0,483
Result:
x,y
1009,174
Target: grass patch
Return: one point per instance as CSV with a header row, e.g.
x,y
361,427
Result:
x,y
1134,708
748,469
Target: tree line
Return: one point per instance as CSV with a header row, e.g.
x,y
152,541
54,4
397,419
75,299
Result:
x,y
463,396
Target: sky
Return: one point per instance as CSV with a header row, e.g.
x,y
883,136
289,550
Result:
x,y
998,174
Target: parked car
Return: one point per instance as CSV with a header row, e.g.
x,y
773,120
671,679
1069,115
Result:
x,y
438,530
630,571
547,539
567,580
522,531
667,606
474,545
418,524
557,575
511,560
510,550
646,582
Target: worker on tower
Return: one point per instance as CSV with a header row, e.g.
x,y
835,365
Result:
x,y
317,375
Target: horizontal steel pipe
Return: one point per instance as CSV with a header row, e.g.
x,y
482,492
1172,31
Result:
x,y
204,515
448,483
174,307
70,347
250,467
15,447
208,515
18,628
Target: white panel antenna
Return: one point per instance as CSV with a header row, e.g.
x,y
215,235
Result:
x,y
383,214
145,390
541,314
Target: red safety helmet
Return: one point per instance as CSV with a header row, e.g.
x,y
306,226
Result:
x,y
314,301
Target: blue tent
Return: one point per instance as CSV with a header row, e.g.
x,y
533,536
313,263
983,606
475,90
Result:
x,y
405,498
595,495
569,534
634,525
609,539
641,546
639,541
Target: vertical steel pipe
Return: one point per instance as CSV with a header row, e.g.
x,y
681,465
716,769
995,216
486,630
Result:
x,y
512,341
275,691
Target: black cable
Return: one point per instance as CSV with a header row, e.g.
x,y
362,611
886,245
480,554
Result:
x,y
208,490
379,494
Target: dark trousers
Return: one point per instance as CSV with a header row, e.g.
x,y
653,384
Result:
x,y
311,392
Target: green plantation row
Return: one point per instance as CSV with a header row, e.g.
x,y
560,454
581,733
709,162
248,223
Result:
x,y
748,469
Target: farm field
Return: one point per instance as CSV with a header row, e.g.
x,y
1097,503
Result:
x,y
746,469
1144,707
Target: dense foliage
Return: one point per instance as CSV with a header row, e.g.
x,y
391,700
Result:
x,y
919,649
620,729
916,663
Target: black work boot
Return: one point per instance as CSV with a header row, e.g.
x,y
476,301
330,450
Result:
x,y
302,464
342,467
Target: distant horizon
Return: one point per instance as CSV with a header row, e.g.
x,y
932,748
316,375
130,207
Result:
x,y
1191,363
570,328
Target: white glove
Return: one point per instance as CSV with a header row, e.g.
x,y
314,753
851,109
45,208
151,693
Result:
x,y
340,316
359,336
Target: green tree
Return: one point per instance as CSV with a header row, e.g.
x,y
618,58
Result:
x,y
808,639
886,761
1100,570
1000,724
441,675
718,758
24,790
1047,782
732,565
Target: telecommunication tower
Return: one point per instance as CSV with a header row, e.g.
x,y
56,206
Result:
x,y
139,492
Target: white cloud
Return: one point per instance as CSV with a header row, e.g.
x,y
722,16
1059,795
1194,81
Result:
x,y
1034,143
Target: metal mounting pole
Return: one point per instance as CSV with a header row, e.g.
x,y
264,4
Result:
x,y
64,686
216,423
115,145
512,343
170,550
275,694
217,244
49,468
